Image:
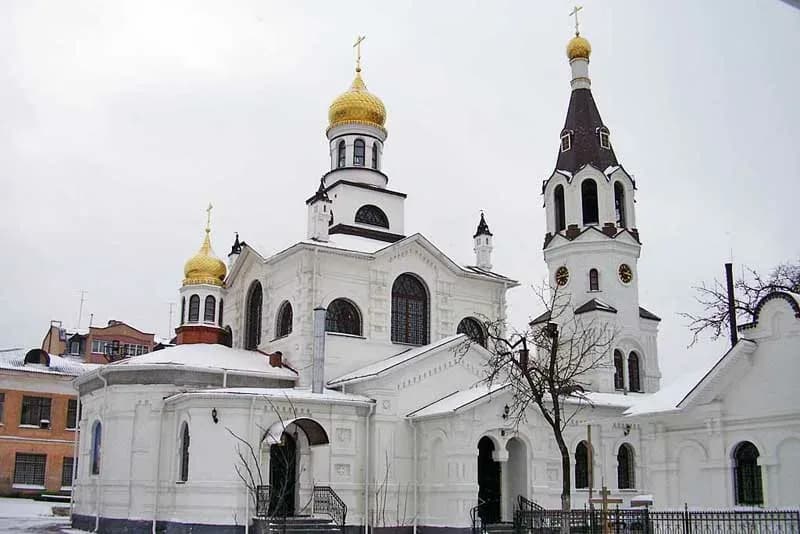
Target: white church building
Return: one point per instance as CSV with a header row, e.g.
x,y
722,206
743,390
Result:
x,y
334,373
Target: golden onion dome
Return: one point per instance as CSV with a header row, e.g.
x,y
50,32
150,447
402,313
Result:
x,y
357,106
578,47
204,267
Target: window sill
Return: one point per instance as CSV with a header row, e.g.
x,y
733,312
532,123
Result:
x,y
343,334
409,344
280,337
27,486
70,429
66,488
33,427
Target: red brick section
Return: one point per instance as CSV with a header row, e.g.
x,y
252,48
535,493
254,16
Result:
x,y
193,334
56,442
115,331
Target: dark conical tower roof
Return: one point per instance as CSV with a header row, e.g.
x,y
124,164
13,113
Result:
x,y
483,228
584,125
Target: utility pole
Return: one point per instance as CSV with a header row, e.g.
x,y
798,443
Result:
x,y
80,309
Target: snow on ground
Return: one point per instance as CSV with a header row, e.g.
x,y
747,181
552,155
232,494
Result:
x,y
28,516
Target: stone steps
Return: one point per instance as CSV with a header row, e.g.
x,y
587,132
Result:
x,y
299,525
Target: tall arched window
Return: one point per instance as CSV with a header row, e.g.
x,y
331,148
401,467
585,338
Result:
x,y
375,155
747,474
409,311
358,153
183,309
194,309
285,318
97,436
634,380
219,316
594,280
369,214
343,317
252,335
472,328
183,476
625,467
619,204
619,376
560,210
589,202
582,462
210,309
340,156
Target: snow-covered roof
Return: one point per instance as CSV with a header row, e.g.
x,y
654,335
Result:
x,y
14,359
208,356
291,394
350,242
382,366
667,398
458,400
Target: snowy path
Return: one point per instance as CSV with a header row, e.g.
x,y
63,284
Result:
x,y
25,515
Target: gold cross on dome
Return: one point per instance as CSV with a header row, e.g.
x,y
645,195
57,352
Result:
x,y
357,46
574,13
208,219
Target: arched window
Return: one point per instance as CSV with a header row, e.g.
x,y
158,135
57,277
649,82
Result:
x,y
619,204
358,153
340,157
472,328
183,309
409,311
375,155
210,309
342,316
560,211
219,316
194,309
284,325
619,377
634,380
747,474
625,468
594,280
589,201
373,215
183,476
252,336
97,436
582,462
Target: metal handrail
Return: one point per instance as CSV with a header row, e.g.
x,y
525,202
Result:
x,y
326,501
262,501
527,505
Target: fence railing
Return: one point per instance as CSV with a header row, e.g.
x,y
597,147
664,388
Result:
x,y
644,521
262,501
326,501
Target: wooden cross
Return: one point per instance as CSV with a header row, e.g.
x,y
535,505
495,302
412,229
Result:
x,y
208,219
574,13
604,500
357,46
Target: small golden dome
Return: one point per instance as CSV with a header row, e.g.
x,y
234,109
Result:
x,y
578,47
204,267
358,106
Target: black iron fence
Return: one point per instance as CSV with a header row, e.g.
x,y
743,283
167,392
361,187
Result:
x,y
327,502
644,521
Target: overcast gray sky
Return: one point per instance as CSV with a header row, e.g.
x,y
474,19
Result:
x,y
120,121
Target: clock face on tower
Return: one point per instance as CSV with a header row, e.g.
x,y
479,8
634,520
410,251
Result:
x,y
625,273
562,276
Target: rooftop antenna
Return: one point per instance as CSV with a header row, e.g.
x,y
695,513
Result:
x,y
80,309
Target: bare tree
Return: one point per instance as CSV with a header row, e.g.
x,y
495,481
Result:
x,y
548,366
402,495
749,288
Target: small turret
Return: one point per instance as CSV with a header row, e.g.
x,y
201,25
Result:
x,y
236,249
483,245
320,216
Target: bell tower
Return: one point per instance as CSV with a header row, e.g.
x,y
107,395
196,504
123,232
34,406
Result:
x,y
592,244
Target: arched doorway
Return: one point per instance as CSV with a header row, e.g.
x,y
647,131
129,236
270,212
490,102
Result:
x,y
282,476
489,492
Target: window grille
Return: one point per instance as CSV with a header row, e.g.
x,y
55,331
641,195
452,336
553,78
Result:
x,y
566,142
375,155
97,436
340,159
34,410
560,212
373,215
605,141
634,381
409,311
619,378
581,466
184,474
625,472
358,153
342,316
210,309
589,201
221,306
747,475
29,469
194,309
619,204
254,304
472,328
594,280
66,471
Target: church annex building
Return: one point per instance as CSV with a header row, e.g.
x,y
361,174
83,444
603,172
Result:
x,y
330,372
